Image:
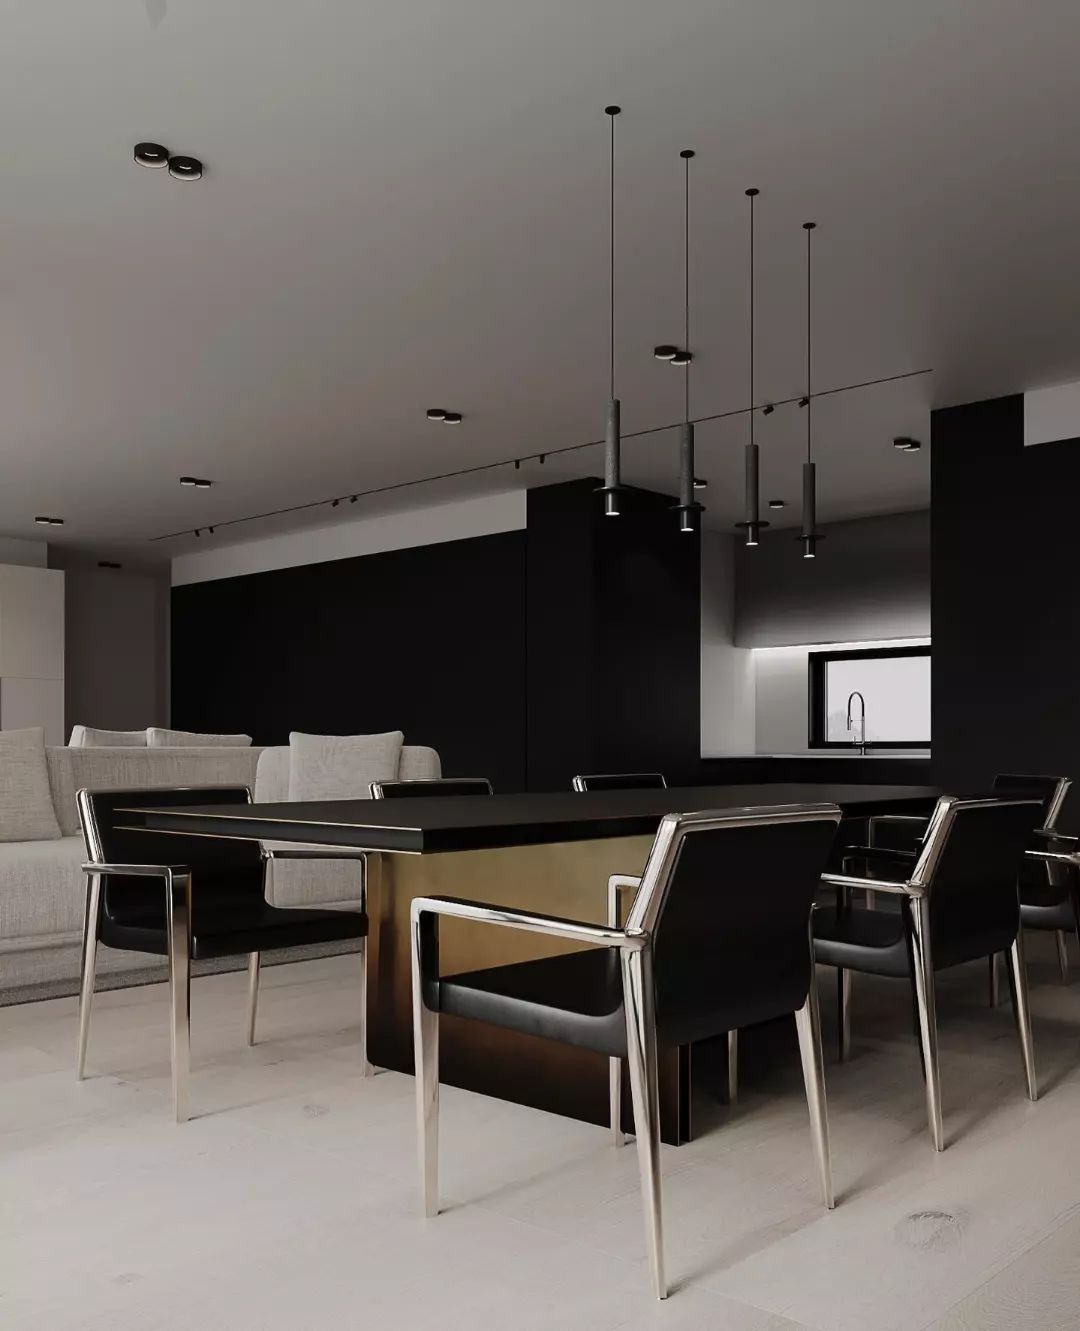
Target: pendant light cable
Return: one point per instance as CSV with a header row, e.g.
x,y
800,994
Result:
x,y
613,421
751,523
688,509
809,535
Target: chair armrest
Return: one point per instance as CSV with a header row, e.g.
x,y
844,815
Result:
x,y
874,884
577,931
304,853
139,870
616,885
1069,857
923,818
1048,834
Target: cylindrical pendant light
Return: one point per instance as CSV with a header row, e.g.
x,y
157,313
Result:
x,y
612,486
752,523
809,536
688,508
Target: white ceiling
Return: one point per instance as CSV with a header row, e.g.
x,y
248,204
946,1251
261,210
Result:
x,y
405,205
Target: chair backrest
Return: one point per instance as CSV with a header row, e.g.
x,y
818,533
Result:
x,y
727,897
225,872
620,781
446,785
1051,790
969,865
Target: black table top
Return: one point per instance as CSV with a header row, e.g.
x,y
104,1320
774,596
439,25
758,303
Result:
x,y
479,822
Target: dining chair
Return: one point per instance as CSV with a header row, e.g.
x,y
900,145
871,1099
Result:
x,y
213,905
958,903
442,785
717,937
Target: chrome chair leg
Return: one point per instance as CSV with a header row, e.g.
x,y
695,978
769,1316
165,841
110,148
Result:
x,y
178,912
1063,955
618,1137
843,1013
426,1054
995,980
1018,989
733,1067
638,995
366,1069
254,966
808,1024
89,961
923,974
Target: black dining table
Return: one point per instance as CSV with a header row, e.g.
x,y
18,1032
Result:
x,y
548,852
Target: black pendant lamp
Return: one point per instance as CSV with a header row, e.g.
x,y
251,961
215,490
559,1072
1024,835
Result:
x,y
612,487
752,523
809,536
688,508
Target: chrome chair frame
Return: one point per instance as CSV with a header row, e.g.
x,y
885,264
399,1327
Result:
x,y
377,789
918,889
634,945
177,881
580,783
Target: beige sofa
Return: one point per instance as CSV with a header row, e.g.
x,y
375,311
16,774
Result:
x,y
42,888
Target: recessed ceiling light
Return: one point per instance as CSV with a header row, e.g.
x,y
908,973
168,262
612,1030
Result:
x,y
43,521
665,351
185,168
198,482
682,358
778,503
452,418
700,483
436,414
151,154
905,445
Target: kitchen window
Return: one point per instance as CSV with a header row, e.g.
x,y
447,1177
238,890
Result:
x,y
892,706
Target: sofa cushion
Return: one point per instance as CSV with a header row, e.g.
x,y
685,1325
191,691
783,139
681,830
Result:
x,y
341,767
26,805
42,888
159,738
88,737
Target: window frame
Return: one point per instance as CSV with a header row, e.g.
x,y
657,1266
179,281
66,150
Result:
x,y
817,671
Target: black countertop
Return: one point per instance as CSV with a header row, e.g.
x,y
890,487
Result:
x,y
476,822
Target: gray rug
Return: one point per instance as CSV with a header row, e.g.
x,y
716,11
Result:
x,y
158,973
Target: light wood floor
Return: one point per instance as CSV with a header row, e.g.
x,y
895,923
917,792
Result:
x,y
288,1203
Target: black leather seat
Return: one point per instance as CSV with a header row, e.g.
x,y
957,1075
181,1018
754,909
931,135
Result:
x,y
958,903
443,785
192,898
620,781
717,938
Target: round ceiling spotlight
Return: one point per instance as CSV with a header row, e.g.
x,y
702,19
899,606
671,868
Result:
x,y
665,351
700,483
185,168
682,358
903,444
436,414
778,503
44,521
196,482
151,154
452,418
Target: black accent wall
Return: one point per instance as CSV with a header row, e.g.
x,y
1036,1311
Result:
x,y
1005,530
572,646
429,640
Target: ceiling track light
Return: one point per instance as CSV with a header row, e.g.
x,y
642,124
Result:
x,y
612,487
185,168
688,508
752,523
767,409
809,536
151,154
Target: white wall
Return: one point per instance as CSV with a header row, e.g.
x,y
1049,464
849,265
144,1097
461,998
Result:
x,y
727,673
431,525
